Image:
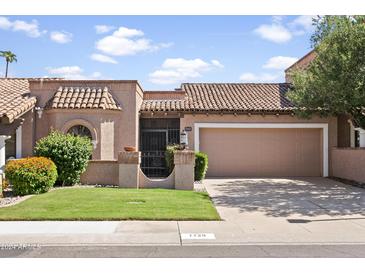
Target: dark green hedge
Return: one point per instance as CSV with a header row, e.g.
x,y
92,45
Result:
x,y
201,166
201,162
32,175
70,153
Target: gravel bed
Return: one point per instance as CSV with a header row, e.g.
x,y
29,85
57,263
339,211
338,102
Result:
x,y
199,186
7,201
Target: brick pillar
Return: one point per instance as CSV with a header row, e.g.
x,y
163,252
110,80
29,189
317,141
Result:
x,y
184,161
129,168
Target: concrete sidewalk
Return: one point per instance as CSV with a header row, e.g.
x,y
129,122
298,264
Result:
x,y
168,233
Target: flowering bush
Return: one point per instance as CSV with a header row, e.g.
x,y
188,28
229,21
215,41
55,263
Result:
x,y
31,175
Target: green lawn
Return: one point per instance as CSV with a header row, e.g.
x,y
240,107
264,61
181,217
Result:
x,y
113,204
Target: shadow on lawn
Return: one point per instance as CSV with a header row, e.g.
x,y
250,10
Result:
x,y
284,197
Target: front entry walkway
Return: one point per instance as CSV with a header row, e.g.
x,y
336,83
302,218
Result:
x,y
291,210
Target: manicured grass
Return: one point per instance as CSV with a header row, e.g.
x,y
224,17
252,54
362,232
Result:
x,y
113,204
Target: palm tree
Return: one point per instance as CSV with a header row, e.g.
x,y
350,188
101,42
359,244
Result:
x,y
9,58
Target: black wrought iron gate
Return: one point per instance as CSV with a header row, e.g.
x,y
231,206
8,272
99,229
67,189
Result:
x,y
156,134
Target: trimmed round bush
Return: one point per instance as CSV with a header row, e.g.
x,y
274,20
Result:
x,y
31,175
70,153
201,166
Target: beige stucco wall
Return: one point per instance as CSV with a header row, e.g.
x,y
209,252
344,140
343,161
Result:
x,y
348,163
103,125
101,173
112,129
126,172
28,133
145,182
188,120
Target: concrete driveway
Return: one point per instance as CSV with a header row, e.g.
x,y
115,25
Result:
x,y
291,210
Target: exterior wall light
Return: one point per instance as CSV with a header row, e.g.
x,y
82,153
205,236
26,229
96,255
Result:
x,y
39,111
184,139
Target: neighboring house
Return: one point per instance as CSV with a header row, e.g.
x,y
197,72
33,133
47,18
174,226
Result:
x,y
16,106
302,63
246,129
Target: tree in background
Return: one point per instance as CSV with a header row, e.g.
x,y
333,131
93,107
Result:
x,y
9,58
334,82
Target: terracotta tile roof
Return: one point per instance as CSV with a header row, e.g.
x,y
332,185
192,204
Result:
x,y
83,98
226,97
15,98
164,94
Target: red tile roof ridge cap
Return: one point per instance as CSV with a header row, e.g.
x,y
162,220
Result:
x,y
234,83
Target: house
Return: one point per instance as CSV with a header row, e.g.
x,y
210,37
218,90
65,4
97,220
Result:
x,y
247,129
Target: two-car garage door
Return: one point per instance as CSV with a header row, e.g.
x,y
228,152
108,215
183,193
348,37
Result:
x,y
262,152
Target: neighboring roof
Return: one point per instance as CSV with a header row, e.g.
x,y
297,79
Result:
x,y
226,97
83,98
15,98
304,61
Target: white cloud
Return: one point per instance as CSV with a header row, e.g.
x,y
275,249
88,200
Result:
x,y
5,23
304,21
280,32
275,32
217,64
302,24
103,28
31,29
103,58
66,71
61,37
279,62
175,70
125,41
249,77
71,72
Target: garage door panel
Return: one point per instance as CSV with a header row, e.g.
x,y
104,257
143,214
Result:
x,y
306,160
273,155
262,152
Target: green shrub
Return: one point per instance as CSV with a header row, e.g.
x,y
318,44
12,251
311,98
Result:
x,y
70,153
201,161
201,166
32,175
169,156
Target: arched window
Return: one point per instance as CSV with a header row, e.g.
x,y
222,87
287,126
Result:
x,y
80,130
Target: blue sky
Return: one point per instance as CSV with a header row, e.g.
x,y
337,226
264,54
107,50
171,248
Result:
x,y
159,51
